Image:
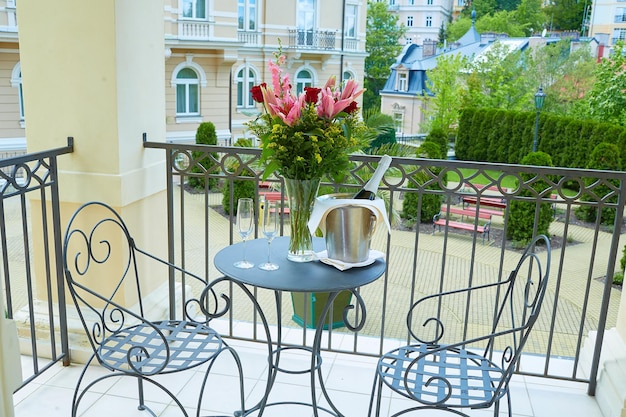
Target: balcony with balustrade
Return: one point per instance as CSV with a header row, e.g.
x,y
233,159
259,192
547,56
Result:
x,y
561,364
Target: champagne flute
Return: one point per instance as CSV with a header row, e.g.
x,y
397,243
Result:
x,y
245,226
270,229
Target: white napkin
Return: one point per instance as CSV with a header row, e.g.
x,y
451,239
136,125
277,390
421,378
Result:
x,y
323,206
342,266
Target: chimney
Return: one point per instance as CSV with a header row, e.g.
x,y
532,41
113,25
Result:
x,y
430,48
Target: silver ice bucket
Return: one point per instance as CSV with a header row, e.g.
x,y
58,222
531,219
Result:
x,y
349,231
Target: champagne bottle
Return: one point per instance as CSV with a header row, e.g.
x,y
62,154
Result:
x,y
368,192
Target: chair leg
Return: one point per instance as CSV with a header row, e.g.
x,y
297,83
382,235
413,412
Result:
x,y
242,406
377,388
142,404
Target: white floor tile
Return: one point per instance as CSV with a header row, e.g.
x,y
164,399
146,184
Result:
x,y
348,381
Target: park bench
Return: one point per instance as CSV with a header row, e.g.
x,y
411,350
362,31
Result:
x,y
276,196
472,215
485,201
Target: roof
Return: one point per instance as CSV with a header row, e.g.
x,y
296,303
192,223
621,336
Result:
x,y
471,45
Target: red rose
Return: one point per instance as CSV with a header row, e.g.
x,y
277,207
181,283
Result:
x,y
257,94
351,108
312,94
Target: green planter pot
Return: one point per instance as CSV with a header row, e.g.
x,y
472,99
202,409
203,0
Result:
x,y
314,304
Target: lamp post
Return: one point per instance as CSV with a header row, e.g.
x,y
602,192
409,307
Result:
x,y
540,96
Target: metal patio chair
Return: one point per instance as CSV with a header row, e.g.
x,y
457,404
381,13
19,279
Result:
x,y
473,373
102,268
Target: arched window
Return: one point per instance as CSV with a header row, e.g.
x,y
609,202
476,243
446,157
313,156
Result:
x,y
304,78
245,79
16,81
187,93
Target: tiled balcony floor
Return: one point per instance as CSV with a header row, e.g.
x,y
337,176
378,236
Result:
x,y
348,379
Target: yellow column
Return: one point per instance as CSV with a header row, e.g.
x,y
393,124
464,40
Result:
x,y
95,70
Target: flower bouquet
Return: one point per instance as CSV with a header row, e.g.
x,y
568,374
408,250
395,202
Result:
x,y
303,138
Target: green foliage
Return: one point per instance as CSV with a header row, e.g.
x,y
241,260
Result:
x,y
530,16
383,125
440,138
622,262
445,82
430,203
458,28
382,47
607,101
495,136
205,135
524,216
565,14
502,21
241,188
499,81
605,156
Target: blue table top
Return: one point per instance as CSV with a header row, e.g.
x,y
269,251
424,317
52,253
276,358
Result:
x,y
292,276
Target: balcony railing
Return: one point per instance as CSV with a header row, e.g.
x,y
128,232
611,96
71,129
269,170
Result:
x,y
194,30
29,206
351,44
580,298
312,39
249,38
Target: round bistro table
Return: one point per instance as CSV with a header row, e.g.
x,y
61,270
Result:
x,y
306,277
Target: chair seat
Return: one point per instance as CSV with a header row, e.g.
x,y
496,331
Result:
x,y
190,344
449,377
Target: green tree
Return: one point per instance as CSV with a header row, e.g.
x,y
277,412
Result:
x,y
530,16
444,81
522,216
604,156
458,28
498,80
501,22
565,14
567,77
205,135
607,101
241,188
382,47
430,204
383,125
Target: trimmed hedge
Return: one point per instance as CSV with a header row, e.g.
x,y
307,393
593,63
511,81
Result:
x,y
522,214
205,135
490,135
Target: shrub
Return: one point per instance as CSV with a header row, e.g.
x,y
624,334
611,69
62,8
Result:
x,y
604,156
431,203
241,188
439,137
205,135
521,225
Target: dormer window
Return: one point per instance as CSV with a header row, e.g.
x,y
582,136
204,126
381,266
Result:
x,y
403,81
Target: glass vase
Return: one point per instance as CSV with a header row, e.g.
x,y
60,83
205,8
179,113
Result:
x,y
302,195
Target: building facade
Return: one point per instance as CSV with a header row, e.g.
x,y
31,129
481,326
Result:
x,y
214,52
423,18
607,21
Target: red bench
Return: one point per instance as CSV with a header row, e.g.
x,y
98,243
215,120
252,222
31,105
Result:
x,y
485,201
276,196
443,219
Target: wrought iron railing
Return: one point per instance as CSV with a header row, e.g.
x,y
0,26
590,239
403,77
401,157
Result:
x,y
312,39
421,260
30,243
